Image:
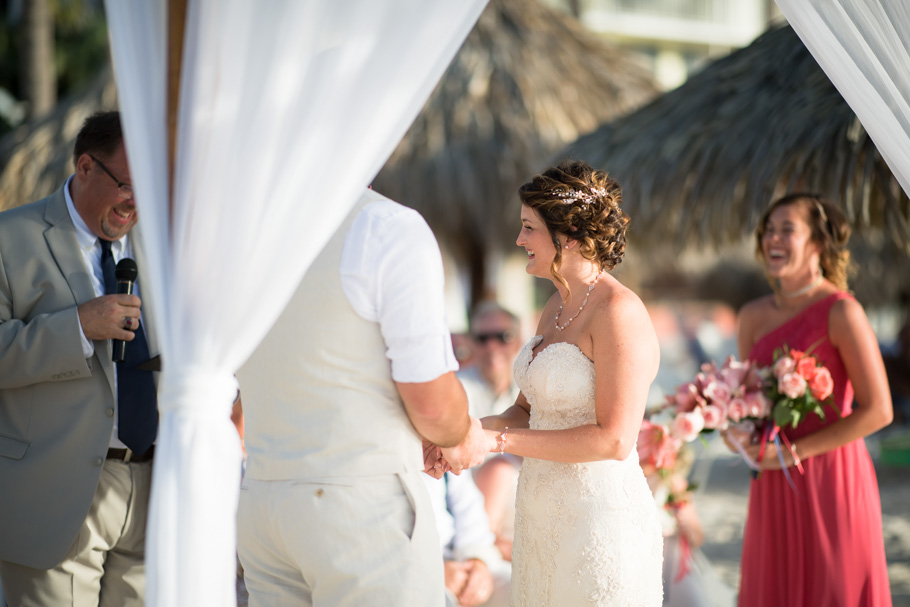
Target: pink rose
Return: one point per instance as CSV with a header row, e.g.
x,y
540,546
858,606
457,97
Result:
x,y
714,416
686,397
737,409
783,365
679,484
758,405
806,367
821,385
792,385
655,446
718,392
755,379
734,372
686,426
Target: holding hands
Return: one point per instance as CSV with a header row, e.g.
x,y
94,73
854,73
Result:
x,y
469,453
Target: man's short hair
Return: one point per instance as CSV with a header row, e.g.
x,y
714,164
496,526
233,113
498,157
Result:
x,y
101,134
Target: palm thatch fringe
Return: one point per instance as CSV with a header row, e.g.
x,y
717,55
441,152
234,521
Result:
x,y
36,158
528,80
700,164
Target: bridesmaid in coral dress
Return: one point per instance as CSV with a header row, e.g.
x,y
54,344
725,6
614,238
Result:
x,y
818,542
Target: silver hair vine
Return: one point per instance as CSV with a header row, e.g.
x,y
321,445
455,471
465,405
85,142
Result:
x,y
585,198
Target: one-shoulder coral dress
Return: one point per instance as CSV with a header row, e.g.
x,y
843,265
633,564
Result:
x,y
820,541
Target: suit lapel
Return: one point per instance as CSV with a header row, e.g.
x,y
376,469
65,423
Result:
x,y
64,247
61,240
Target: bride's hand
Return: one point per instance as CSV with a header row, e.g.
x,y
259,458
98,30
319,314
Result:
x,y
472,450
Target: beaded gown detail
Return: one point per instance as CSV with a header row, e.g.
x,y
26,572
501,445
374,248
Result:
x,y
819,542
585,534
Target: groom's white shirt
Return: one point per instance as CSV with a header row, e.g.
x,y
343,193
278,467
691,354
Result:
x,y
333,502
384,238
319,394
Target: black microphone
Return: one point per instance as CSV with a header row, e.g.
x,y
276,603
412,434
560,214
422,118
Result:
x,y
126,274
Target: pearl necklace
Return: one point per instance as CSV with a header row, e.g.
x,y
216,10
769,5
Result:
x,y
583,303
803,290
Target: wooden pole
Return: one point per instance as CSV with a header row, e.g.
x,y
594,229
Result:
x,y
176,26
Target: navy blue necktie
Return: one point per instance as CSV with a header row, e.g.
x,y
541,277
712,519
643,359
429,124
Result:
x,y
137,399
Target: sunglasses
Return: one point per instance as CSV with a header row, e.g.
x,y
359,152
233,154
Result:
x,y
503,337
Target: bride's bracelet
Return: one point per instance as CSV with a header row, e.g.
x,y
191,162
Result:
x,y
502,441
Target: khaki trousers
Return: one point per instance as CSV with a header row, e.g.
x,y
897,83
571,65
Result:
x,y
344,542
105,566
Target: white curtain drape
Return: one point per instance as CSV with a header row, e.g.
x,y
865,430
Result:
x,y
864,48
288,108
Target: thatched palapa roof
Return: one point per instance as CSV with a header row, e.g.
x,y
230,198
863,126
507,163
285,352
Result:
x,y
36,158
702,162
528,80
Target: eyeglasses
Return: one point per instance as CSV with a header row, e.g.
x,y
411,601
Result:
x,y
503,337
124,190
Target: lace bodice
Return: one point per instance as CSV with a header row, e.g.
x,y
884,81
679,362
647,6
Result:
x,y
585,533
561,390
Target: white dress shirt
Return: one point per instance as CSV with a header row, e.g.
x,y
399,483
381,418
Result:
x,y
391,273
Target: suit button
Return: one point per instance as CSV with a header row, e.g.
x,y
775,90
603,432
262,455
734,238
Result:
x,y
98,461
319,492
109,412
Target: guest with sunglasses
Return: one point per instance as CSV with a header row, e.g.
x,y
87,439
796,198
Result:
x,y
491,389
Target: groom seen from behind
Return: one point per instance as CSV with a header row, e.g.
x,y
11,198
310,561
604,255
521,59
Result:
x,y
356,371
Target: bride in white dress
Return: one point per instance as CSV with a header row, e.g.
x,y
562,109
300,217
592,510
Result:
x,y
586,529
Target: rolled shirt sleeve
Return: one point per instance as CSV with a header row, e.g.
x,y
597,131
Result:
x,y
392,274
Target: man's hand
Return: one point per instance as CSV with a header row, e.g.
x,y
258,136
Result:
x,y
472,450
479,585
106,317
433,462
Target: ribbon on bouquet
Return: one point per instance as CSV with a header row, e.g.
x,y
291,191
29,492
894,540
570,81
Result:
x,y
746,458
773,434
685,555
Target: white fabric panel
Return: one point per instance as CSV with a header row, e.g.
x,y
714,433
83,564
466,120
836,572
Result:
x,y
288,109
138,34
862,45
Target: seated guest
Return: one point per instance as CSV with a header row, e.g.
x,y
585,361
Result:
x,y
475,572
491,390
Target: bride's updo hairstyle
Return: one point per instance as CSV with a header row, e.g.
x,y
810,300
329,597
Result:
x,y
830,231
584,204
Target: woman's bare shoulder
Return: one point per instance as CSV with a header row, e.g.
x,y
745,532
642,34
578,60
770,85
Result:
x,y
621,308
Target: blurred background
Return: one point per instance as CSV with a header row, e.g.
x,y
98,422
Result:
x,y
704,110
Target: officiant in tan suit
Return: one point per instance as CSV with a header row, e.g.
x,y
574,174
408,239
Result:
x,y
355,372
76,429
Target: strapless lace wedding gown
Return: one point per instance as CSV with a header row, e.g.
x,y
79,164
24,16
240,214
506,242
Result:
x,y
585,534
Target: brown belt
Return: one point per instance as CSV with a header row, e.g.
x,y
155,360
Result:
x,y
125,455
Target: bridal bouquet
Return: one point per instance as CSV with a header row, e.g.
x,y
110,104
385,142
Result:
x,y
718,397
799,384
756,400
665,462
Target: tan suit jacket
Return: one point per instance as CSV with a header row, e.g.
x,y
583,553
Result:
x,y
56,406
